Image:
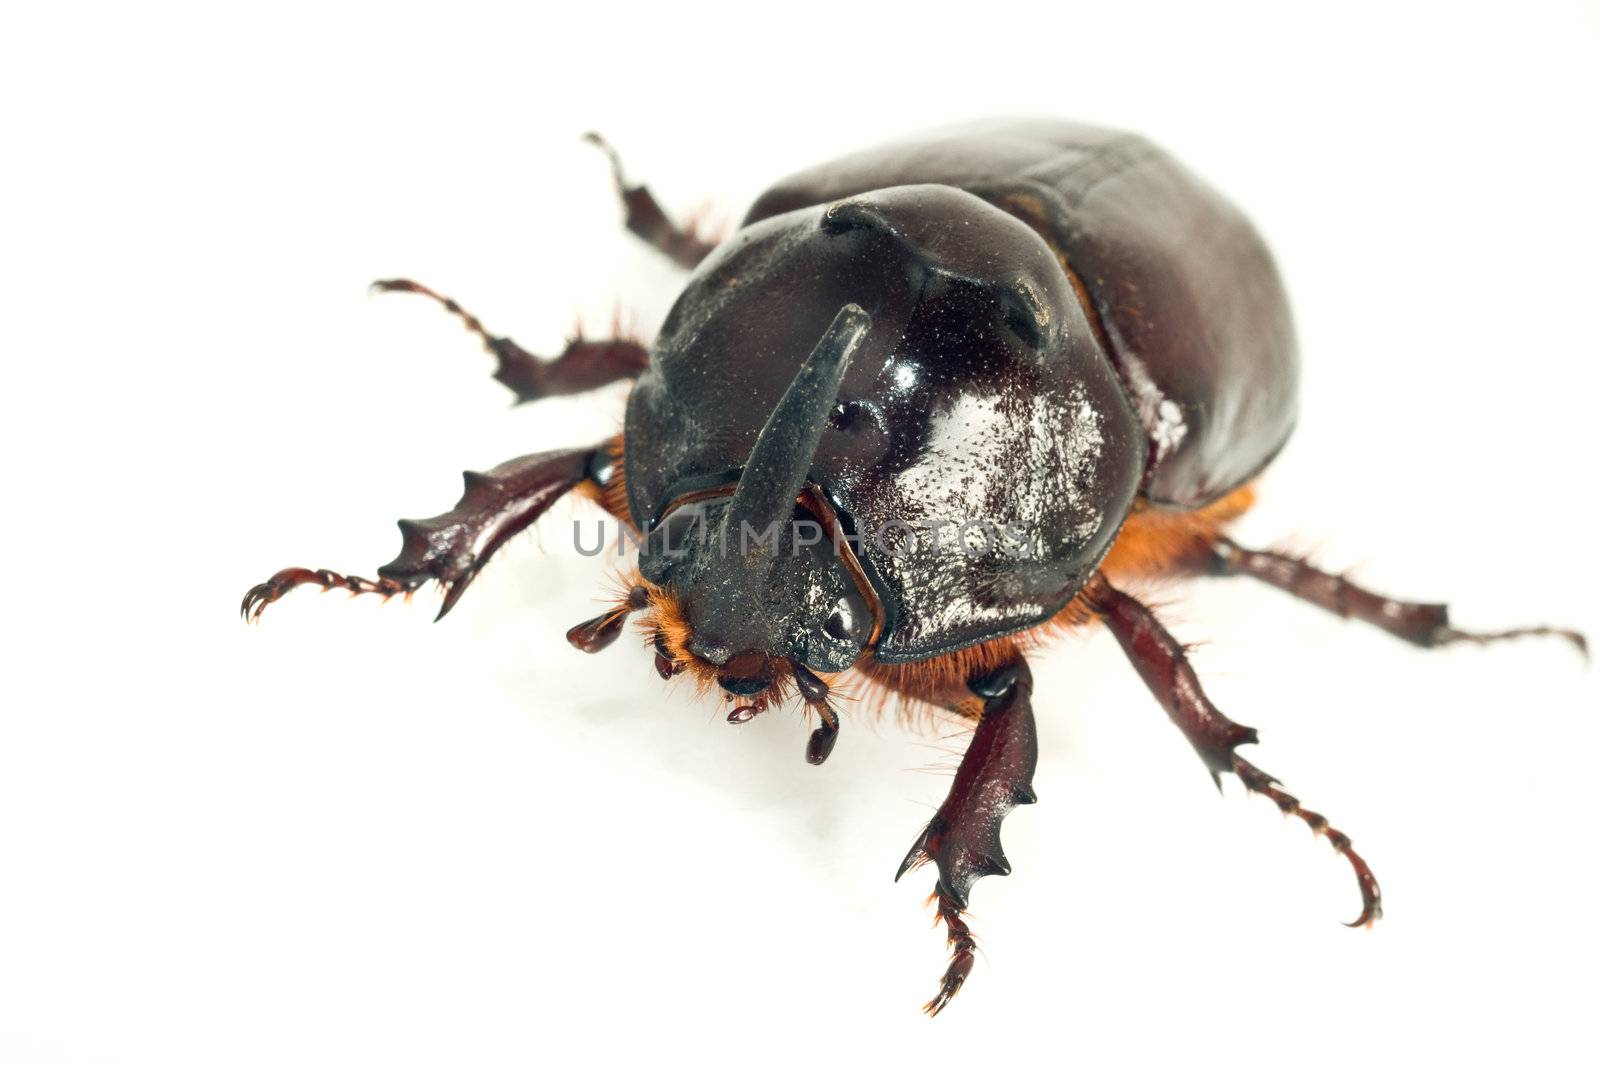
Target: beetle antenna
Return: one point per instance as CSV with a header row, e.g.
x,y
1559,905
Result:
x,y
593,635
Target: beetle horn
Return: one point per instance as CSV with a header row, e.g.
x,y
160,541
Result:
x,y
776,470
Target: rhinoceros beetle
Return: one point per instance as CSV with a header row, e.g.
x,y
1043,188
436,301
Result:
x,y
927,406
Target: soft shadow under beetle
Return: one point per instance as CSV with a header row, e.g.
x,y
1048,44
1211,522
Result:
x,y
1043,341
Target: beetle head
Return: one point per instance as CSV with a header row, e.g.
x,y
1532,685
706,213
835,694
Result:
x,y
756,579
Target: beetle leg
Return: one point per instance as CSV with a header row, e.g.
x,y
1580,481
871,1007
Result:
x,y
646,220
452,548
1160,661
1427,625
583,365
963,837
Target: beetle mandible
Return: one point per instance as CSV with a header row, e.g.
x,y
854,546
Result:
x,y
1047,334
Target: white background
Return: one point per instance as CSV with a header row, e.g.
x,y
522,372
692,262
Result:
x,y
349,836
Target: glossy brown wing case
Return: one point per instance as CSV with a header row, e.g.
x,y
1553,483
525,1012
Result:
x,y
1185,291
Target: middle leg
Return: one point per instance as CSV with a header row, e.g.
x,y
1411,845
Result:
x,y
583,365
1161,662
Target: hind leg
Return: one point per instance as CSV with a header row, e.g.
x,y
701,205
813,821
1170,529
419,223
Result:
x,y
1427,625
583,365
1161,662
646,220
452,548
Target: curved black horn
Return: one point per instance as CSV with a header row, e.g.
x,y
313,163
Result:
x,y
776,470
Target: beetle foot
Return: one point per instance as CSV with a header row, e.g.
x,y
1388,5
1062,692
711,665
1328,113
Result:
x,y
256,600
963,950
1258,781
1448,635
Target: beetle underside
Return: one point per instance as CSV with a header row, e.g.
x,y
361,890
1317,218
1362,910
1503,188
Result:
x,y
697,628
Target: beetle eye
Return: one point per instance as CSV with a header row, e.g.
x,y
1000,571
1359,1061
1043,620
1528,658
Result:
x,y
850,619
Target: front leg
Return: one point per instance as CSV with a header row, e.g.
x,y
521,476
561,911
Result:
x,y
1160,661
452,548
963,837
